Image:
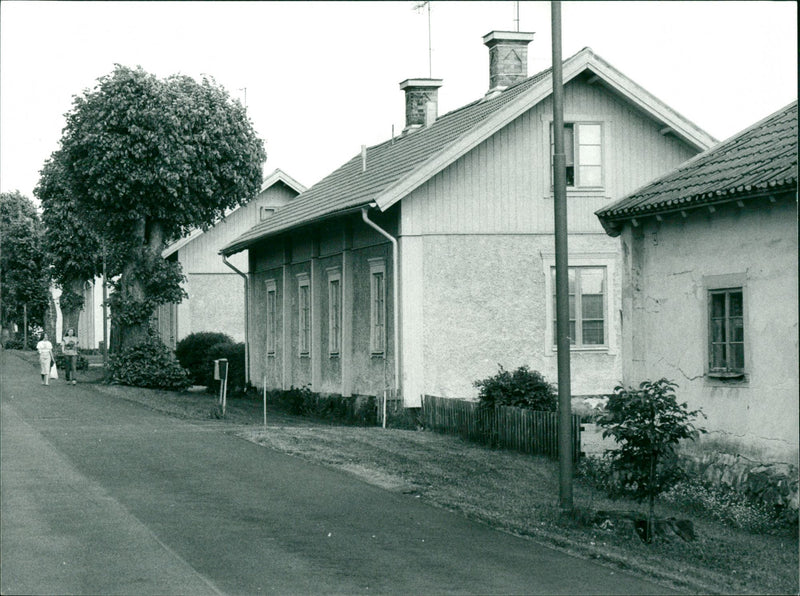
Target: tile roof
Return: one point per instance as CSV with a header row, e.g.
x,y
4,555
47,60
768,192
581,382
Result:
x,y
348,188
760,159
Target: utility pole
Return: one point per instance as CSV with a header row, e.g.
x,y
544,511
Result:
x,y
562,271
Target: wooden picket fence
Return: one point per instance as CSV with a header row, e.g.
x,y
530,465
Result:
x,y
527,431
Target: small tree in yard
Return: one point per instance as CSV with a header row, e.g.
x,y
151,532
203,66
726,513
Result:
x,y
648,423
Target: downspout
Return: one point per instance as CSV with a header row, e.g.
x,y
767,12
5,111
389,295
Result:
x,y
395,294
246,319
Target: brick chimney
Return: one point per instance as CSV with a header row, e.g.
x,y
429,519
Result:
x,y
508,58
422,101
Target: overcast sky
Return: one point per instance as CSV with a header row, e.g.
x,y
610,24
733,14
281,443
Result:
x,y
321,78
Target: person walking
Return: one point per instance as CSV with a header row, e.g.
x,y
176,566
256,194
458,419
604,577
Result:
x,y
46,358
69,346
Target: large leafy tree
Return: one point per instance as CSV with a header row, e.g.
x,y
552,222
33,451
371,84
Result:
x,y
73,247
24,274
145,161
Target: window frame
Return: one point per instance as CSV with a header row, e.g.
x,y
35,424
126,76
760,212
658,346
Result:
x,y
304,315
579,319
576,124
377,310
272,317
727,371
611,312
334,312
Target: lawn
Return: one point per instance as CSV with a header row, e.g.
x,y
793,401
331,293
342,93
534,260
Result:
x,y
509,491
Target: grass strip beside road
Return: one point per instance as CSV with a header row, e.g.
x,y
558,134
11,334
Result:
x,y
513,492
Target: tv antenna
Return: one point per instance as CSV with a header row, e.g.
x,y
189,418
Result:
x,y
516,20
418,7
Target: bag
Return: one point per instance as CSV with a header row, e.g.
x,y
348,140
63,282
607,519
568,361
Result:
x,y
53,371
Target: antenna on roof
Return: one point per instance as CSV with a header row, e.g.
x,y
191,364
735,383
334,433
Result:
x,y
418,7
517,19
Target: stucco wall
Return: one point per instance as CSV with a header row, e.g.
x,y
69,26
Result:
x,y
215,303
485,303
668,270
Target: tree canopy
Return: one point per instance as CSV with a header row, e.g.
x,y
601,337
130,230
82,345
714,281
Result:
x,y
24,274
144,161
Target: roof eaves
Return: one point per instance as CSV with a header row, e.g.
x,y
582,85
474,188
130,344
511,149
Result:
x,y
241,244
651,105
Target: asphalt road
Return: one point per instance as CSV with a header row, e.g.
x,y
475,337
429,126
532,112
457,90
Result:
x,y
103,496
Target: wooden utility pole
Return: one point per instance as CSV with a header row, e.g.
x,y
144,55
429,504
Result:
x,y
562,271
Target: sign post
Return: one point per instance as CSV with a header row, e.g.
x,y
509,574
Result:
x,y
221,375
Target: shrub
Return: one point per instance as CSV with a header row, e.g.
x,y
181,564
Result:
x,y
236,370
80,364
523,388
148,364
301,401
192,353
648,424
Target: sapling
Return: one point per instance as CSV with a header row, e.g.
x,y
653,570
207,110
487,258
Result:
x,y
647,424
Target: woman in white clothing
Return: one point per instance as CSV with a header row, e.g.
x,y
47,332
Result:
x,y
45,349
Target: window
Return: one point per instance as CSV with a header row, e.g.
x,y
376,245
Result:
x,y
265,212
334,312
583,150
726,333
377,336
587,306
304,314
272,314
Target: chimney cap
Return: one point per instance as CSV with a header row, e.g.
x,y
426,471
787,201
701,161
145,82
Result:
x,y
495,37
425,83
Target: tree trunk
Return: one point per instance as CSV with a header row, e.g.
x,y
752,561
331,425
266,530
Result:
x,y
70,318
151,235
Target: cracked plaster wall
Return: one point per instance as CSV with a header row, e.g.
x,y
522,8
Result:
x,y
666,266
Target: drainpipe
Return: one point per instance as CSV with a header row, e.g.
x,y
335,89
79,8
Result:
x,y
246,319
395,293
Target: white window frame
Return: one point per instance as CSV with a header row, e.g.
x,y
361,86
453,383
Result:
x,y
304,315
334,311
583,260
272,316
377,307
577,123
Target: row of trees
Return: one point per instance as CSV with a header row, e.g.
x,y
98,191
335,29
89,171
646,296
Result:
x,y
142,161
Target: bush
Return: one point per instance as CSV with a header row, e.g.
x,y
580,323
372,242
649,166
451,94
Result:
x,y
524,388
148,364
301,401
236,369
61,362
192,353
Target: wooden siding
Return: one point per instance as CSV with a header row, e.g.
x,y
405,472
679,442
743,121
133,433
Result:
x,y
200,254
503,185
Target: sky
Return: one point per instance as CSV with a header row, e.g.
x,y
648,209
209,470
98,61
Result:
x,y
320,79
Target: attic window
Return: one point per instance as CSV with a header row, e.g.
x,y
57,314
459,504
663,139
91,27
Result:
x,y
583,150
265,212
